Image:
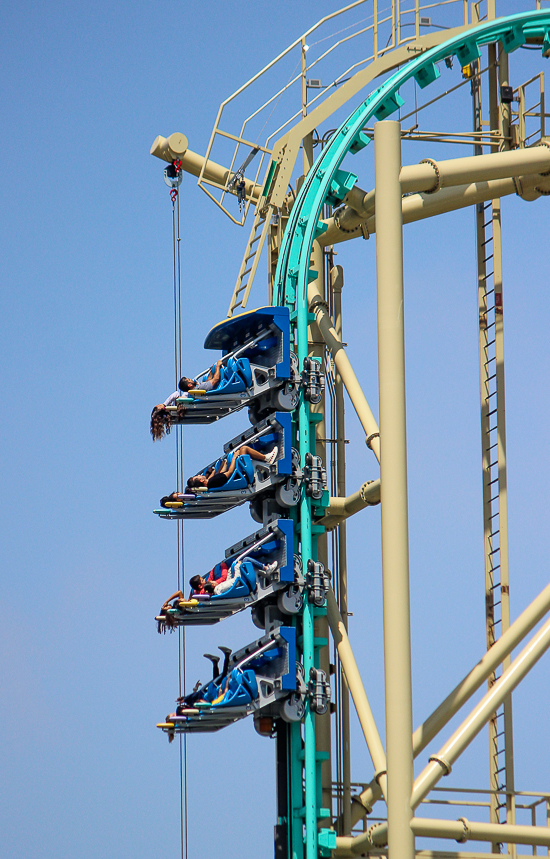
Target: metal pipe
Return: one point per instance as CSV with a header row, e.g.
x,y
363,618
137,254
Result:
x,y
341,509
431,176
441,762
467,830
463,691
393,478
348,225
175,148
353,677
336,284
460,830
318,305
484,668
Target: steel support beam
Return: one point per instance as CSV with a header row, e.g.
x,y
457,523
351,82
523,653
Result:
x,y
500,651
353,677
441,762
318,305
336,285
341,508
461,830
175,148
430,176
417,207
393,477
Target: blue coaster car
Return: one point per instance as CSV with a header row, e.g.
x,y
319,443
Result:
x,y
283,586
262,677
259,369
252,479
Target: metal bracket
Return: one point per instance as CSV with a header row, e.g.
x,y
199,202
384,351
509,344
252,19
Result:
x,y
315,476
445,765
319,691
317,582
313,381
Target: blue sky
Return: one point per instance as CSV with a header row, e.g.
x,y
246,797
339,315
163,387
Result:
x,y
87,349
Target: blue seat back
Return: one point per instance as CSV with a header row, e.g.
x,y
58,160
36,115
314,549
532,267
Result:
x,y
243,689
231,382
240,588
241,477
244,371
243,585
248,574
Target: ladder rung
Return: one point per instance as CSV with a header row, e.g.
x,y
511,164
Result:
x,y
247,271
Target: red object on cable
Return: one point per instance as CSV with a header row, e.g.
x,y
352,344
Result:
x,y
177,166
173,194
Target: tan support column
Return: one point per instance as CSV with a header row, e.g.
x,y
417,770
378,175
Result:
x,y
337,284
393,480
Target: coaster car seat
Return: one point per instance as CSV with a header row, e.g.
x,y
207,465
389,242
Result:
x,y
242,586
242,477
243,689
237,377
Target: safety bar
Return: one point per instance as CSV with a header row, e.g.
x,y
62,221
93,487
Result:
x,y
241,349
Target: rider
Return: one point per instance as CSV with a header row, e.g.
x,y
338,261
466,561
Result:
x,y
218,476
161,419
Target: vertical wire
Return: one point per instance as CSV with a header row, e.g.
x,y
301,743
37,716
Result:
x,y
181,648
180,530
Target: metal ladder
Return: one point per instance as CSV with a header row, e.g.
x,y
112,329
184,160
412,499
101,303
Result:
x,y
494,471
252,254
495,505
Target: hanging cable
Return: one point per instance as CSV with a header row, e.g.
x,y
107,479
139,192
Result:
x,y
173,177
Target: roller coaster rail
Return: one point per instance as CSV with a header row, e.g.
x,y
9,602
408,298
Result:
x,y
299,228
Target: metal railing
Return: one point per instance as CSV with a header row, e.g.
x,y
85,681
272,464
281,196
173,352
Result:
x,y
528,119
531,805
388,25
